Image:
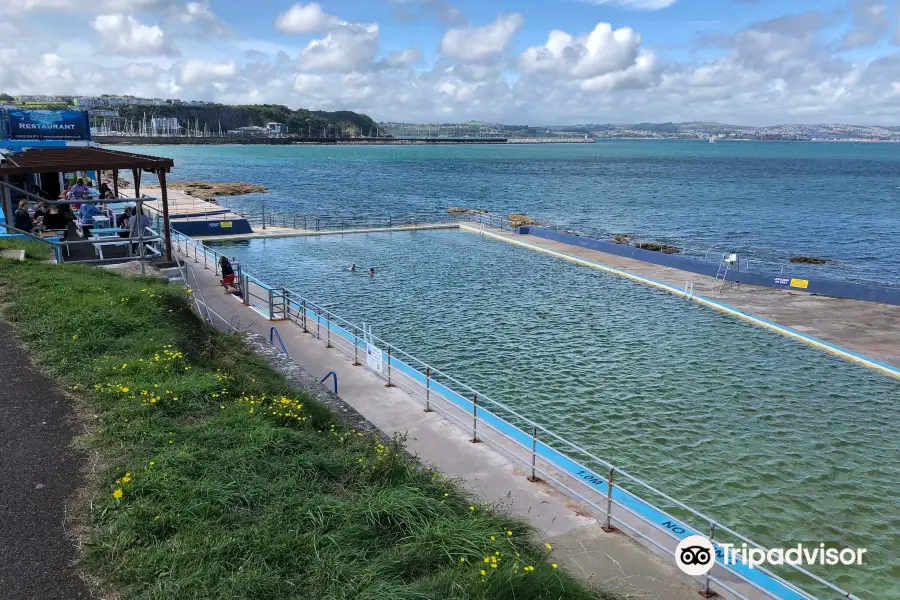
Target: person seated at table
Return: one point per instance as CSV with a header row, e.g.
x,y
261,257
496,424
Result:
x,y
40,211
54,221
21,218
227,280
87,212
124,220
104,191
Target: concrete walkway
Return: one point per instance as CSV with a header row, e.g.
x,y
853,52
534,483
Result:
x,y
39,474
869,328
612,561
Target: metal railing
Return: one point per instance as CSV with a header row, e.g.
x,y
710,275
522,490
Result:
x,y
619,498
273,333
334,375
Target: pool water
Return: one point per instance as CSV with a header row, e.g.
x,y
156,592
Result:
x,y
776,439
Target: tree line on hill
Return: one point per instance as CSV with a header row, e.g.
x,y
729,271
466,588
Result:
x,y
214,117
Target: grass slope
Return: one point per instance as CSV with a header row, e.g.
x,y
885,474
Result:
x,y
221,482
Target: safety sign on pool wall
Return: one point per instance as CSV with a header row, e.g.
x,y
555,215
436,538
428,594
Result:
x,y
373,357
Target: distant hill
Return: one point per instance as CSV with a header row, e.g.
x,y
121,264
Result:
x,y
216,116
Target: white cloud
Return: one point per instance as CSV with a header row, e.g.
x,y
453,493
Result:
x,y
127,35
600,52
196,71
636,4
871,21
477,43
305,18
200,14
403,58
347,48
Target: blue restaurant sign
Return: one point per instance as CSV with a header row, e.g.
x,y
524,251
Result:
x,y
45,125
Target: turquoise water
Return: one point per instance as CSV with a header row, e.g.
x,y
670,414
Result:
x,y
768,201
772,437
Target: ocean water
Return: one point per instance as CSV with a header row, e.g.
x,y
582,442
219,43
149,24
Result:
x,y
782,442
766,200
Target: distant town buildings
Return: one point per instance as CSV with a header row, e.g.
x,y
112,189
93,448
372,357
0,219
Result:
x,y
274,128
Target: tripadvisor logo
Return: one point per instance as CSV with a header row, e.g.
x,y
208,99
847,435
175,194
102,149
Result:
x,y
695,555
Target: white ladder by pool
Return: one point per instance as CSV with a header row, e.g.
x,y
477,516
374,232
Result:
x,y
724,264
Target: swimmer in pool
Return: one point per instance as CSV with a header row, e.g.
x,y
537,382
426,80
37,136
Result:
x,y
372,272
351,268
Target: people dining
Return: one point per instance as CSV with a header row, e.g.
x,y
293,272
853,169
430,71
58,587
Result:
x,y
21,219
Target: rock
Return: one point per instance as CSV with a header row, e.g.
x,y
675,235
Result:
x,y
205,190
809,260
456,210
519,220
622,238
657,247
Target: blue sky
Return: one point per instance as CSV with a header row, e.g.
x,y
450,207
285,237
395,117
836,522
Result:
x,y
548,61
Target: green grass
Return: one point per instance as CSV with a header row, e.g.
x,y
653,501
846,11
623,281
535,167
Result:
x,y
229,489
35,250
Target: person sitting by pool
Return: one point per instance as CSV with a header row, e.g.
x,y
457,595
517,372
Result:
x,y
372,272
227,280
351,268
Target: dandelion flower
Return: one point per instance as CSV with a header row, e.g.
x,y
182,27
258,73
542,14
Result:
x,y
509,533
548,546
74,337
471,508
125,389
555,566
492,538
126,479
445,495
157,517
462,559
152,463
487,559
483,572
117,494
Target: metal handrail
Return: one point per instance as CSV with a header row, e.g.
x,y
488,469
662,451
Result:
x,y
331,374
292,298
273,333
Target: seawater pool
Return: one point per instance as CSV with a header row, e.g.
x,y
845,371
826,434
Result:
x,y
774,438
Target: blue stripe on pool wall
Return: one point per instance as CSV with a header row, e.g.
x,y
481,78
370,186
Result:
x,y
826,287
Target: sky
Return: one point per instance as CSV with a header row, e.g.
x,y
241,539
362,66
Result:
x,y
537,62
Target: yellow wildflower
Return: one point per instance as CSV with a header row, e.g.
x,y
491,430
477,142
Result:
x,y
117,494
554,565
487,559
125,389
483,572
509,533
126,479
471,508
492,538
548,546
462,559
493,565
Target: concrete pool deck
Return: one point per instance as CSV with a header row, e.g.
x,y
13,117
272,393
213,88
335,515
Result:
x,y
612,561
867,328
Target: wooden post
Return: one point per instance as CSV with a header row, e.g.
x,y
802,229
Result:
x,y
165,207
116,183
137,182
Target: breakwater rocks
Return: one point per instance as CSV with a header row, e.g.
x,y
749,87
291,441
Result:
x,y
205,190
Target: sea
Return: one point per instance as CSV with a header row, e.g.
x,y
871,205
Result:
x,y
767,201
778,440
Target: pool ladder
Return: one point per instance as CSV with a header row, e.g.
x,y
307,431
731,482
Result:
x,y
722,273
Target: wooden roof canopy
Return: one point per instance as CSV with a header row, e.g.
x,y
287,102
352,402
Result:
x,y
81,158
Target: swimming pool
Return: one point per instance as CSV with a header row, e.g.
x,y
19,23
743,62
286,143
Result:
x,y
779,440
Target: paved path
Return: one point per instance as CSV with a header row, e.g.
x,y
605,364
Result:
x,y
614,561
39,473
869,328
